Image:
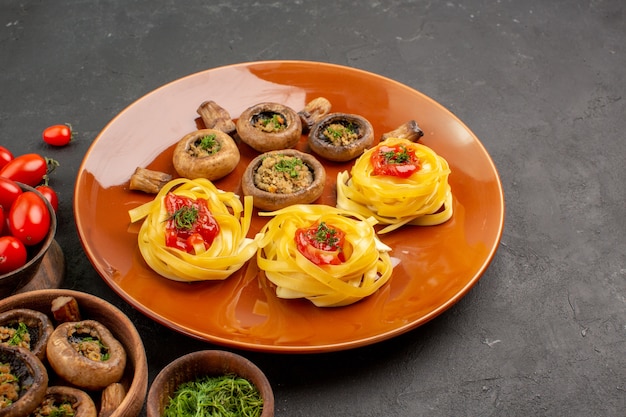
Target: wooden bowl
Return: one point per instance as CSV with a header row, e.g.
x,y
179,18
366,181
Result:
x,y
14,280
135,378
206,363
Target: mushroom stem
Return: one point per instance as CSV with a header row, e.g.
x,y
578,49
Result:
x,y
216,117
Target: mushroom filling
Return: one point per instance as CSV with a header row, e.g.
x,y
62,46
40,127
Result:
x,y
204,146
15,335
50,406
341,133
269,122
87,343
9,386
282,174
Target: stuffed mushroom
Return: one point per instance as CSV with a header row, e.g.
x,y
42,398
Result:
x,y
341,137
206,153
269,126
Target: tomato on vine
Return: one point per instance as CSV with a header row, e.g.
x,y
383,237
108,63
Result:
x,y
29,218
13,254
30,169
58,135
50,195
5,156
9,191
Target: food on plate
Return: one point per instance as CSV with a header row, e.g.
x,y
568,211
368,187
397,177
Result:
x,y
278,179
63,401
398,182
341,137
409,130
23,379
26,328
327,255
313,112
206,153
222,395
86,354
216,117
192,231
269,126
148,180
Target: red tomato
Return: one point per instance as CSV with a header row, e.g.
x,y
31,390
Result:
x,y
29,218
29,168
3,222
321,244
9,190
190,223
50,195
5,156
12,254
397,161
57,135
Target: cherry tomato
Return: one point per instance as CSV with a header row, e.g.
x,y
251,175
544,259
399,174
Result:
x,y
29,218
12,254
30,169
190,223
321,244
9,190
5,156
57,135
398,161
3,222
50,195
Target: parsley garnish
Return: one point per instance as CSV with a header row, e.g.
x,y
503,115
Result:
x,y
185,217
289,165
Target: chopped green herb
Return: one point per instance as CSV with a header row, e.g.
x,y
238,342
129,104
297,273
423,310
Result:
x,y
185,217
209,144
222,396
289,165
17,337
394,157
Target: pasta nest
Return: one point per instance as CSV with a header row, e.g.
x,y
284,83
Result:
x,y
367,265
230,250
422,199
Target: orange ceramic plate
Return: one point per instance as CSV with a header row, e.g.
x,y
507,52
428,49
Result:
x,y
438,265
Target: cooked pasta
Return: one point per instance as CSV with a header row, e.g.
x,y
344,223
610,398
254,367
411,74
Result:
x,y
227,252
365,267
423,198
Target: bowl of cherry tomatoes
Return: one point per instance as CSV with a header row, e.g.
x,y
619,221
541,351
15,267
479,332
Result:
x,y
28,226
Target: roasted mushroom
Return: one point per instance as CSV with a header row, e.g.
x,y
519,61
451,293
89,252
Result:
x,y
25,328
341,137
148,180
216,117
313,112
269,126
409,130
23,379
206,153
86,354
65,401
281,178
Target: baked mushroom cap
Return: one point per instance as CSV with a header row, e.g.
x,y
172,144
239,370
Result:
x,y
76,368
32,380
266,200
195,158
38,326
81,403
328,137
254,127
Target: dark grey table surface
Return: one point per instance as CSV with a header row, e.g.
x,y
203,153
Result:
x,y
541,83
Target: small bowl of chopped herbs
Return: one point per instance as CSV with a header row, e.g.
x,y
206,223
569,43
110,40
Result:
x,y
211,383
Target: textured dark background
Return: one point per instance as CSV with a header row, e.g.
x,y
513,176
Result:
x,y
541,83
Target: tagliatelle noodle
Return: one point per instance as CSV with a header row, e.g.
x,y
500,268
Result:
x,y
367,266
422,199
230,250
